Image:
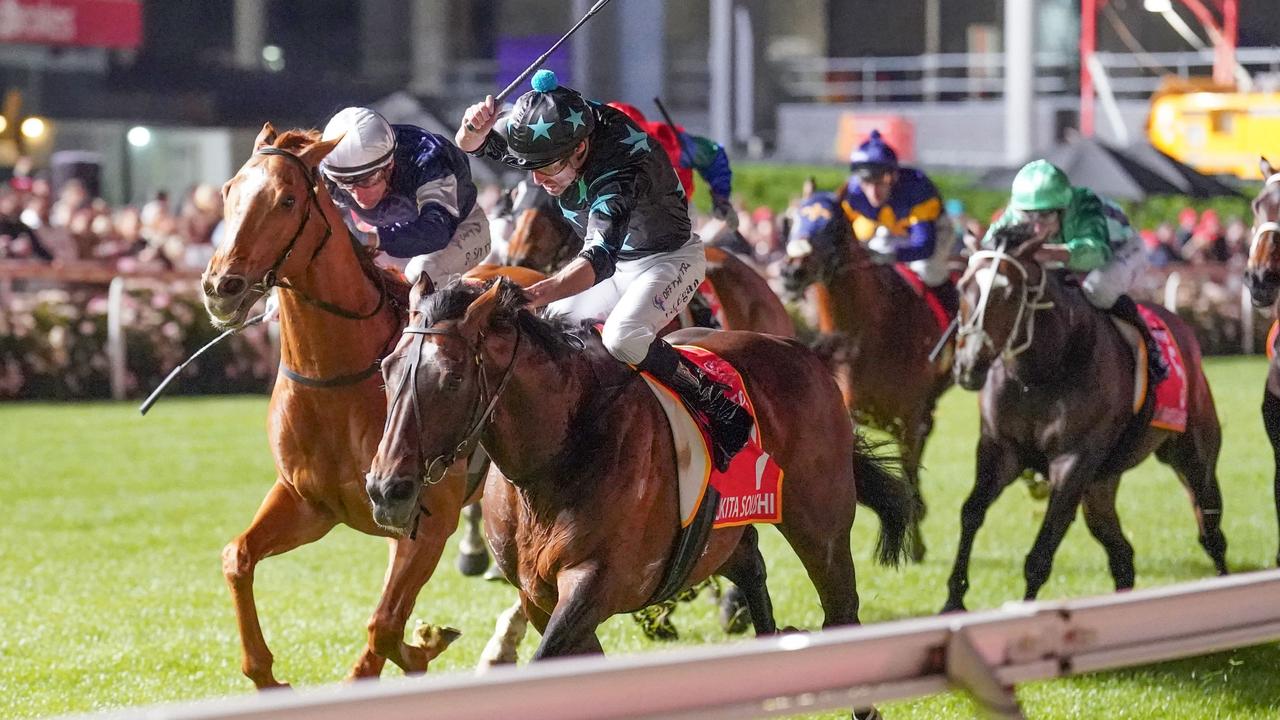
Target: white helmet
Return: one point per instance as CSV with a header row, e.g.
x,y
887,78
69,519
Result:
x,y
367,143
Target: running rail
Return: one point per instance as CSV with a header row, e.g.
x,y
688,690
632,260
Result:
x,y
985,653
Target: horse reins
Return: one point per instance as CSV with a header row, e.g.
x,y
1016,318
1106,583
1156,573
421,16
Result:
x,y
435,468
1030,299
1270,226
271,279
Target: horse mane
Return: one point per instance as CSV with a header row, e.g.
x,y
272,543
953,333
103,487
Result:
x,y
1011,237
451,302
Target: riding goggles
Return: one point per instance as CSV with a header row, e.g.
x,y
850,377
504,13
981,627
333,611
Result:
x,y
364,182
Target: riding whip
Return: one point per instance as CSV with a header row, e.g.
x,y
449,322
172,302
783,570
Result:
x,y
543,57
155,394
672,123
942,341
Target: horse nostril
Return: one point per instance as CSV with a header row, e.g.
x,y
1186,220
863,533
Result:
x,y
231,286
401,490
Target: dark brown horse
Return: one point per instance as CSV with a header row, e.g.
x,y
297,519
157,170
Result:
x,y
583,517
878,331
1263,279
1057,381
544,241
338,316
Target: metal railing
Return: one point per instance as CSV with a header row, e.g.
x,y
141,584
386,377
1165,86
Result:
x,y
961,76
985,653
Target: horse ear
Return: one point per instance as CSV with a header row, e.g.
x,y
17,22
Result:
x,y
480,312
1028,248
1265,166
421,288
316,151
266,137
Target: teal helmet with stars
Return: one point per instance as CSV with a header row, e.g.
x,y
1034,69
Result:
x,y
548,122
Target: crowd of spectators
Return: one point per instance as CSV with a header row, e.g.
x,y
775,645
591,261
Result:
x,y
1198,239
67,225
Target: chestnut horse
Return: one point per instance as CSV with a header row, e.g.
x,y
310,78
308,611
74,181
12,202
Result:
x,y
584,515
543,240
878,332
1263,279
338,316
1057,382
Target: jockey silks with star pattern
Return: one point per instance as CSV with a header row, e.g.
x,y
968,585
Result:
x,y
626,203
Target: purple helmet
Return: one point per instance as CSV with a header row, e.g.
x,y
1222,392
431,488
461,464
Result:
x,y
873,157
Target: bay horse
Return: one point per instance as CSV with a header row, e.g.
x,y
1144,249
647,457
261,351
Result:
x,y
339,315
543,240
1057,390
876,329
583,515
1263,278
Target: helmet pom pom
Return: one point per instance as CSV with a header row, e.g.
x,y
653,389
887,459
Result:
x,y
875,134
544,81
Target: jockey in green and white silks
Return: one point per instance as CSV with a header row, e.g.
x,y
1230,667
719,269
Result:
x,y
640,263
1086,233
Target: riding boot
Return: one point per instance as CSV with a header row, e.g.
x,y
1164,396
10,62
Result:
x,y
948,296
728,424
1127,310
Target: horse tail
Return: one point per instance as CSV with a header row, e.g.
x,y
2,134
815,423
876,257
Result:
x,y
882,486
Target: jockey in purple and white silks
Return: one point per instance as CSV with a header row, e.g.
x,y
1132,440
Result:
x,y
640,263
411,189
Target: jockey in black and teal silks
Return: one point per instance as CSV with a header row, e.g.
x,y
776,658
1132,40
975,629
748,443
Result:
x,y
640,263
897,212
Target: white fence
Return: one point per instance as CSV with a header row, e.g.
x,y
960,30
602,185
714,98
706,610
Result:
x,y
986,653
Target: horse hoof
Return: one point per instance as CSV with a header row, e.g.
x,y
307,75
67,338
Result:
x,y
494,574
435,639
1038,486
866,714
735,617
473,564
951,607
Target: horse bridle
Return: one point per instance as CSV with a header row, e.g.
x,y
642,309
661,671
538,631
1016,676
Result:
x,y
271,278
1270,226
1032,299
434,469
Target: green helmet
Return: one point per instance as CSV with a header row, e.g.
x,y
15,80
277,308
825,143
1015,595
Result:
x,y
547,123
1040,185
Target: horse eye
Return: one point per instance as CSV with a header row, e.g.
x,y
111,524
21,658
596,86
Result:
x,y
288,202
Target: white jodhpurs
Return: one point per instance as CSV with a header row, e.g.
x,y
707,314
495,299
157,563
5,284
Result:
x,y
470,244
639,299
1106,284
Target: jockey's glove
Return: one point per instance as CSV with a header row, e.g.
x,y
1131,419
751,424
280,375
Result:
x,y
723,210
882,248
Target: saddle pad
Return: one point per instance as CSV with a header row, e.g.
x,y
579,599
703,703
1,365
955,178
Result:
x,y
1170,412
751,490
939,312
1272,334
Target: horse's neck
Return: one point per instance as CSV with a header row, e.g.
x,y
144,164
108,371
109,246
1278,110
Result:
x,y
855,297
316,342
539,416
1064,333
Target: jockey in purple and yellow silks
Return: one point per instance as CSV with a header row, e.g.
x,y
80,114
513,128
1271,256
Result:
x,y
897,212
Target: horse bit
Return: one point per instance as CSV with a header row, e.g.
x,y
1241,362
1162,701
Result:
x,y
1031,299
434,469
